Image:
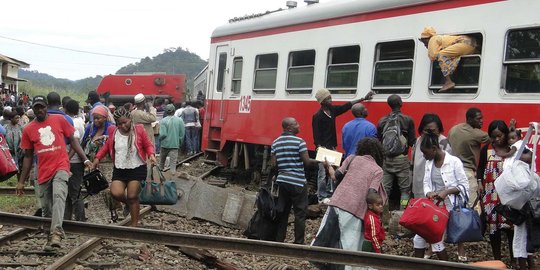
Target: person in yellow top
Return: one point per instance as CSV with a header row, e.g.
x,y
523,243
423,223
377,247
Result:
x,y
448,51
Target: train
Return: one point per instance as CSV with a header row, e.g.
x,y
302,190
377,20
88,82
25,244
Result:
x,y
121,88
266,67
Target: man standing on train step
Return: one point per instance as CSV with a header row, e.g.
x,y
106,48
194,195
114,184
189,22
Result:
x,y
466,139
289,154
396,132
45,137
324,134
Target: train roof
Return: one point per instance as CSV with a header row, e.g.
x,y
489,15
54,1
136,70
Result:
x,y
312,13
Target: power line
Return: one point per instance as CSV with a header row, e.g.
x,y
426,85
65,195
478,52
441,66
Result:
x,y
69,49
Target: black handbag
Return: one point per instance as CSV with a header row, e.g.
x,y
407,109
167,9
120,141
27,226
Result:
x,y
94,182
517,217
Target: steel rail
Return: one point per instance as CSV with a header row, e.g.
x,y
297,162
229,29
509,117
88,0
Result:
x,y
13,190
28,191
68,260
189,158
207,173
14,235
179,163
302,252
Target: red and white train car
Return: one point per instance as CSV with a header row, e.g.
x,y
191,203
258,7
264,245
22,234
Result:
x,y
269,67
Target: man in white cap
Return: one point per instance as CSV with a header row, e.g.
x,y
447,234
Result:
x,y
144,114
324,134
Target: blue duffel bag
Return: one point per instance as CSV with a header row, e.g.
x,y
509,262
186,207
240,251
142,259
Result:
x,y
157,193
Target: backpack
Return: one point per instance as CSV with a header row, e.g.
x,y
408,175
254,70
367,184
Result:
x,y
263,225
392,137
189,115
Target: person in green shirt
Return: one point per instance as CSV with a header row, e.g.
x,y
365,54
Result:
x,y
171,136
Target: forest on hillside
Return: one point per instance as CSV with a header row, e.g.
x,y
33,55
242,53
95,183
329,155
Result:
x,y
171,61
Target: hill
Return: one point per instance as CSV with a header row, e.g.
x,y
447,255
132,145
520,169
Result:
x,y
171,61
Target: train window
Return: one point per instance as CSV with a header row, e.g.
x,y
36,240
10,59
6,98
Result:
x,y
522,61
393,67
465,76
237,75
221,71
300,72
265,73
342,69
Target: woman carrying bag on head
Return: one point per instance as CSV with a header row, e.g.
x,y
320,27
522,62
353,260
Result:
x,y
443,177
129,147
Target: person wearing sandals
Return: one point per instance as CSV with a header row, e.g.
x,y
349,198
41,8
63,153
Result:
x,y
444,179
430,123
129,148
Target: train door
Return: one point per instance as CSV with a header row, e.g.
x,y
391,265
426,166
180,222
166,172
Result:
x,y
218,79
219,84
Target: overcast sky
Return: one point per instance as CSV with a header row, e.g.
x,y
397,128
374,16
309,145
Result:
x,y
129,28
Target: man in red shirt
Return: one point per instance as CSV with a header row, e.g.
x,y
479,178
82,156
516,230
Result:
x,y
45,137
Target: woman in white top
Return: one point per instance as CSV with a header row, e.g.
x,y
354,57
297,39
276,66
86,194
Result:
x,y
129,148
430,123
444,178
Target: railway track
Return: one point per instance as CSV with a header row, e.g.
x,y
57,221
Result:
x,y
179,239
69,260
76,250
115,252
28,191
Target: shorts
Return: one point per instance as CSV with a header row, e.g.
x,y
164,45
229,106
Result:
x,y
127,175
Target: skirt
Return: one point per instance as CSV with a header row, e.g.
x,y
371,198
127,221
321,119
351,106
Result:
x,y
127,175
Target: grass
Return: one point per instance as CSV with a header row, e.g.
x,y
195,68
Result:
x,y
14,204
11,182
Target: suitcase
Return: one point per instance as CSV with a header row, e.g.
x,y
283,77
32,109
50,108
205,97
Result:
x,y
423,217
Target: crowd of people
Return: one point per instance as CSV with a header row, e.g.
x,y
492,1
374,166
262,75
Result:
x,y
460,168
10,98
462,165
54,141
59,139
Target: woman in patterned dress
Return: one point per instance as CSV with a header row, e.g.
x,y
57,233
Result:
x,y
489,168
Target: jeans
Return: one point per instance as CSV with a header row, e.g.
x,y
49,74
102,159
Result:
x,y
324,187
192,139
295,196
158,143
74,203
397,169
173,154
53,195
